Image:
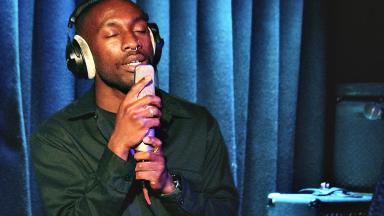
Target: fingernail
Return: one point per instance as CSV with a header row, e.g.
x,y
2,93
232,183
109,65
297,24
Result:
x,y
146,139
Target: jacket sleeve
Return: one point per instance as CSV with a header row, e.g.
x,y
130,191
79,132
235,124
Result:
x,y
218,195
69,186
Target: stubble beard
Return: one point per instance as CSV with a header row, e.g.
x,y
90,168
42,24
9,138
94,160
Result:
x,y
119,84
114,82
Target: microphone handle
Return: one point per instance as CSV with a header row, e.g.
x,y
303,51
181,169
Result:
x,y
142,71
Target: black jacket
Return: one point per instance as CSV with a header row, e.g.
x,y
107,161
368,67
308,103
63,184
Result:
x,y
78,175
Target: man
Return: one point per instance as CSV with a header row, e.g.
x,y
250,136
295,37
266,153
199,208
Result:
x,y
83,156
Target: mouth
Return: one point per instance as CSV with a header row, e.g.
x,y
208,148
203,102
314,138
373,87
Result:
x,y
131,63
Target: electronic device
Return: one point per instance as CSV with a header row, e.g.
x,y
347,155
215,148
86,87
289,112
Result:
x,y
323,201
142,71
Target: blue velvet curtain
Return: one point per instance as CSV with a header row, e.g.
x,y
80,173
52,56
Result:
x,y
258,66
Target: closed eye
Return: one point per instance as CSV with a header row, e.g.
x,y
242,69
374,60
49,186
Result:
x,y
143,30
111,35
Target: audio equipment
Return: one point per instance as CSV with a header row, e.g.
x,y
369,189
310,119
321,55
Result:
x,y
358,143
79,56
142,71
319,202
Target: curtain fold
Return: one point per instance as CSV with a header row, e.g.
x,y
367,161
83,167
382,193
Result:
x,y
25,13
262,133
312,96
242,32
291,19
52,87
215,67
14,160
257,66
183,49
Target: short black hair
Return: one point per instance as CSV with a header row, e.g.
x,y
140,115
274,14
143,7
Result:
x,y
79,19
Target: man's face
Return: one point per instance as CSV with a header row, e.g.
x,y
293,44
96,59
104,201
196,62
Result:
x,y
113,30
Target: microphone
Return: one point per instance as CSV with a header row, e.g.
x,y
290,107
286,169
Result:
x,y
142,71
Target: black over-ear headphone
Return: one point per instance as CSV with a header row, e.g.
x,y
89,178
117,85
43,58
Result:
x,y
79,56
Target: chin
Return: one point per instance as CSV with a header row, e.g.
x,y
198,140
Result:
x,y
122,88
122,85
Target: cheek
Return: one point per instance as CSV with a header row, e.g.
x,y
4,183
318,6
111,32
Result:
x,y
148,51
147,46
105,56
100,61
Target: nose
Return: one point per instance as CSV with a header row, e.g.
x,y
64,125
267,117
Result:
x,y
130,41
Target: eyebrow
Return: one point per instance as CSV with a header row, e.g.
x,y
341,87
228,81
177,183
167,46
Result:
x,y
143,17
111,22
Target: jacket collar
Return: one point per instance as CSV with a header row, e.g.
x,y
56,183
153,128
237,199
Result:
x,y
86,106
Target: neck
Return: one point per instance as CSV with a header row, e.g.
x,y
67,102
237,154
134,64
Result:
x,y
107,98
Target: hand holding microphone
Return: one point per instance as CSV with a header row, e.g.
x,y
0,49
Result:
x,y
134,118
138,114
152,163
149,89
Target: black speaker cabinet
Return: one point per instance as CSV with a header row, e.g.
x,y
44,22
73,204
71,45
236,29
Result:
x,y
354,204
358,152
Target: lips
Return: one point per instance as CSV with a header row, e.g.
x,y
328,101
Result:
x,y
133,61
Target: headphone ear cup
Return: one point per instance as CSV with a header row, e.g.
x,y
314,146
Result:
x,y
153,42
74,59
157,42
79,58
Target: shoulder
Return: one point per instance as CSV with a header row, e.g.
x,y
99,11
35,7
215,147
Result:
x,y
83,107
53,126
185,109
57,128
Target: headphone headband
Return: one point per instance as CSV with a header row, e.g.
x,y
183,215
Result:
x,y
82,7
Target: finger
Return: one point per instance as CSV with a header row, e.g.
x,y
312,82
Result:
x,y
153,141
143,156
149,112
149,157
149,166
136,89
157,179
138,110
148,123
153,111
146,175
151,176
149,100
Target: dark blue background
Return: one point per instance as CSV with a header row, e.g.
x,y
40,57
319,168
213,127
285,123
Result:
x,y
258,66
